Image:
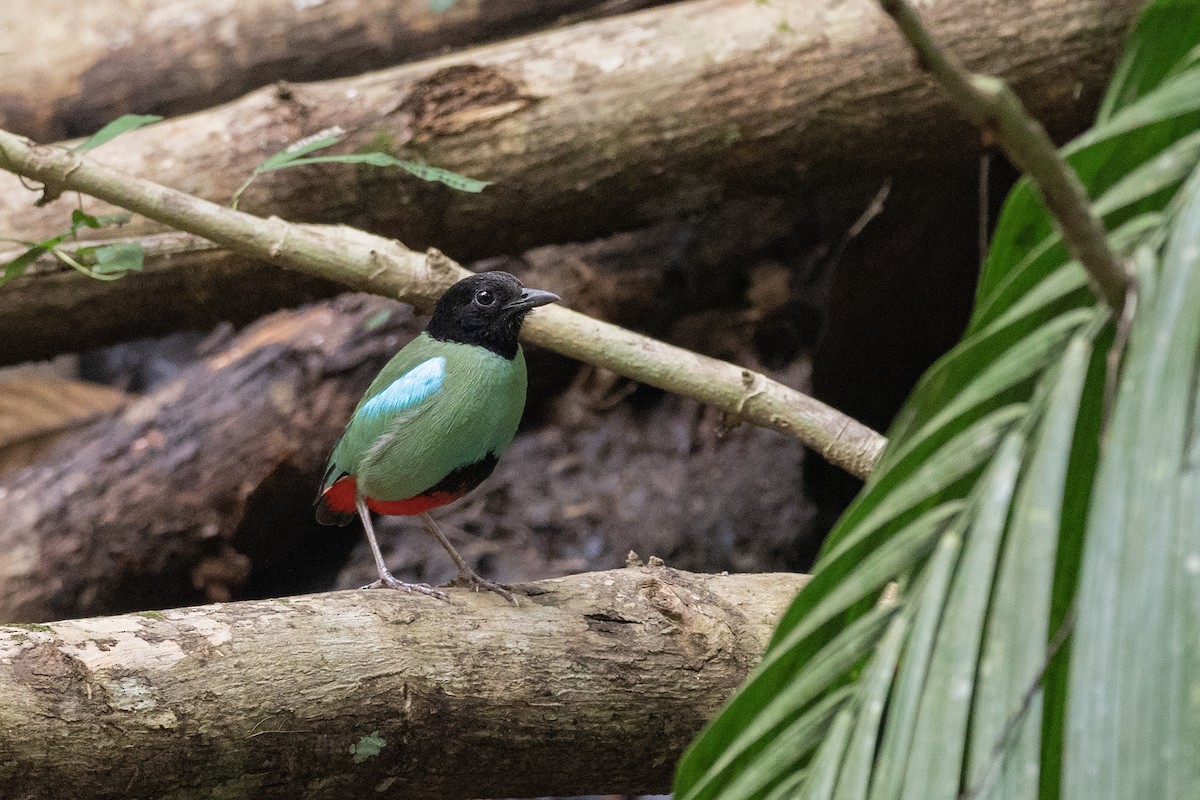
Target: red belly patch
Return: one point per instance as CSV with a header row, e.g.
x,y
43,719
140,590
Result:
x,y
340,497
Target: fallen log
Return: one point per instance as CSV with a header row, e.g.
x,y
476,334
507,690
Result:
x,y
593,685
607,125
96,61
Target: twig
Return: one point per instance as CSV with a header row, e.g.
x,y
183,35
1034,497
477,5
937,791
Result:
x,y
381,266
991,105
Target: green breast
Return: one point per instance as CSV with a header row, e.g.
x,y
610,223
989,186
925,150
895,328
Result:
x,y
475,411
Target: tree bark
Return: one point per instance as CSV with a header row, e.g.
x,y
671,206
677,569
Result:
x,y
95,61
593,685
618,123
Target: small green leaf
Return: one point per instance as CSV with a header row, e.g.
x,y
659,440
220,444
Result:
x,y
16,268
297,150
120,125
425,173
374,159
79,219
441,6
117,258
451,179
296,155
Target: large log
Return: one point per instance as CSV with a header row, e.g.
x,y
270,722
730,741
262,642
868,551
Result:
x,y
593,685
602,126
97,60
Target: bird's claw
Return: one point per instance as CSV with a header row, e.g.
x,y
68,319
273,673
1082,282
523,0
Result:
x,y
477,583
392,582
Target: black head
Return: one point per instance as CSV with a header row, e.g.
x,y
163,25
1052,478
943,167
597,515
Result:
x,y
487,310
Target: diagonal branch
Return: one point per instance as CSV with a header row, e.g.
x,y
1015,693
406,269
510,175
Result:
x,y
991,105
373,264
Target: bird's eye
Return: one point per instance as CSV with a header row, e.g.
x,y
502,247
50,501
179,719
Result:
x,y
484,298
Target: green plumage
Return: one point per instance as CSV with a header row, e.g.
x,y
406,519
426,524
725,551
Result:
x,y
396,454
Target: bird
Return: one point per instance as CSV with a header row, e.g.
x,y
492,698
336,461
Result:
x,y
436,419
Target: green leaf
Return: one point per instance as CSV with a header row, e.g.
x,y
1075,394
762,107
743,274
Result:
x,y
1133,714
451,179
956,678
903,706
936,752
1145,188
1101,157
1165,36
821,780
296,155
81,220
833,660
787,749
296,151
118,258
902,549
120,125
1014,654
855,776
16,268
434,174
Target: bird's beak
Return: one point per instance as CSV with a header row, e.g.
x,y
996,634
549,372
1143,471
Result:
x,y
532,298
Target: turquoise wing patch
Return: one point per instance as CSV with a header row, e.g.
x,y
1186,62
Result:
x,y
409,389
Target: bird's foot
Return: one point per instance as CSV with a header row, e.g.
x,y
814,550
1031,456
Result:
x,y
474,581
390,581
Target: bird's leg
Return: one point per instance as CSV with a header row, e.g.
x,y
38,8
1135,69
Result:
x,y
386,578
465,573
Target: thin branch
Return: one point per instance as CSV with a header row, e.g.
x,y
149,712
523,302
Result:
x,y
381,266
594,686
991,105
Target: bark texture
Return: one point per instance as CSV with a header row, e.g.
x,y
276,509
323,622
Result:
x,y
594,685
621,122
95,61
